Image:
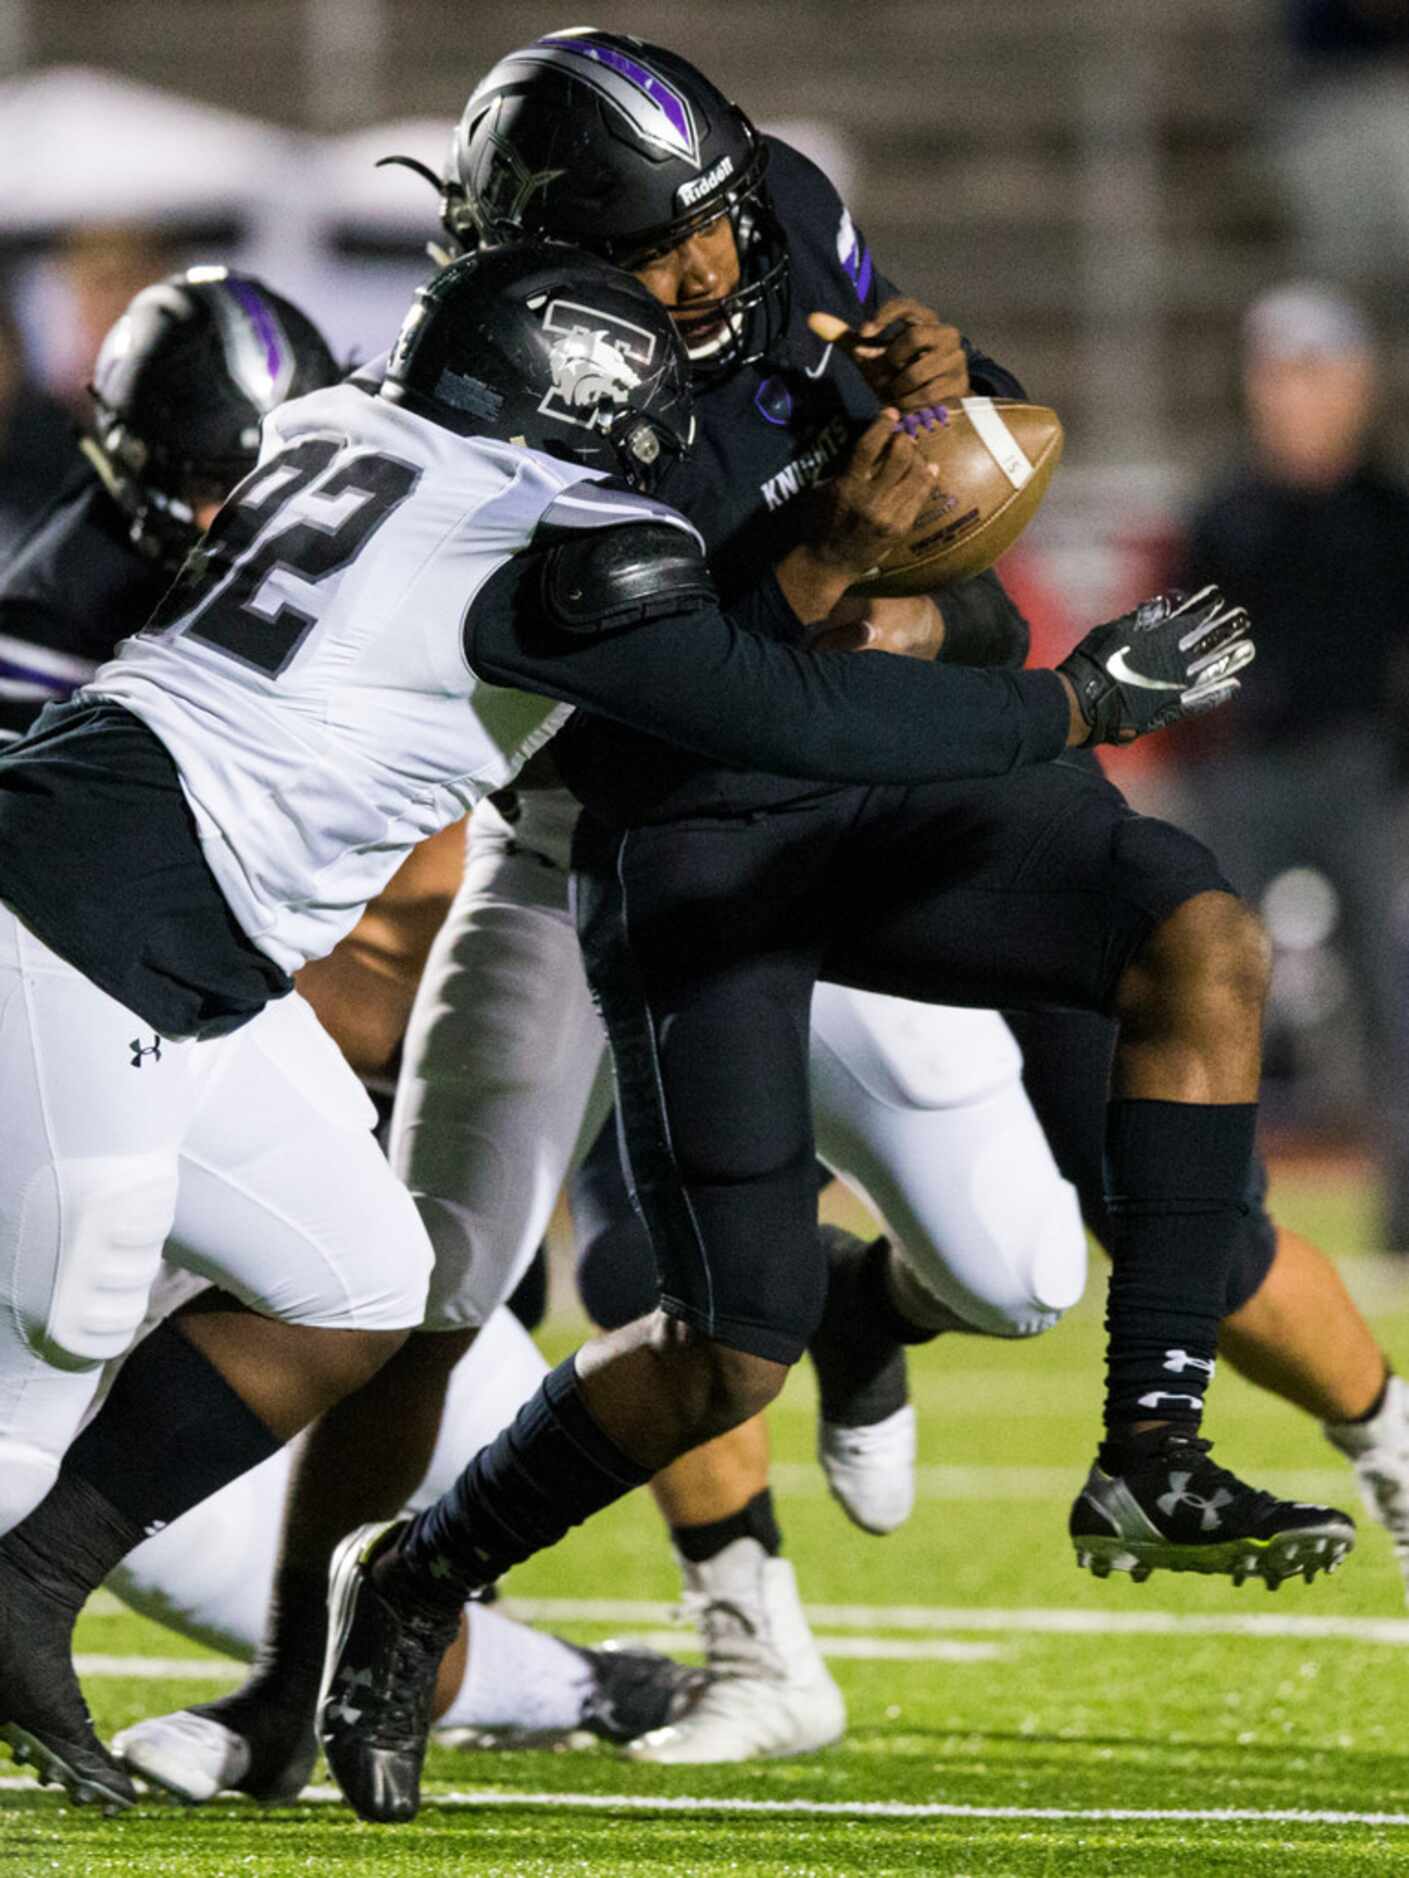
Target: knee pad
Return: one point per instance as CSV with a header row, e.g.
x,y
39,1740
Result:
x,y
734,1070
26,1475
90,1250
1024,1265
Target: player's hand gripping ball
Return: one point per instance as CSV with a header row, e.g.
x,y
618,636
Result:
x,y
994,459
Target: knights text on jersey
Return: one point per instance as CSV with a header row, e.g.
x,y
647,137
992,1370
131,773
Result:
x,y
309,678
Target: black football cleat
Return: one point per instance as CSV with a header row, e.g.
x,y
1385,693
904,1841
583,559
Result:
x,y
44,1719
1173,1509
636,1690
374,1714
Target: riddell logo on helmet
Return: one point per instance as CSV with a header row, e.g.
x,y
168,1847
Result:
x,y
596,363
688,194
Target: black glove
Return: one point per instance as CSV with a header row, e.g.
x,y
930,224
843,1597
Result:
x,y
1173,657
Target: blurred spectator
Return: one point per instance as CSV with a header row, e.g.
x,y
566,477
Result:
x,y
1344,150
1313,538
101,268
36,439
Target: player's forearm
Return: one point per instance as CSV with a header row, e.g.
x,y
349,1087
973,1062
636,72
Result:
x,y
811,582
695,680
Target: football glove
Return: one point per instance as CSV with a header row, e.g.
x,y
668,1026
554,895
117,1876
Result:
x,y
1174,656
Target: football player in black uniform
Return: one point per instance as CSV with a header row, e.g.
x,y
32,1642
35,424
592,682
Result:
x,y
710,900
179,388
322,712
606,110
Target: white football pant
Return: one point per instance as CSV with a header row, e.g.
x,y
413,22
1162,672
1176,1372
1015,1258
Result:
x,y
249,1159
506,1081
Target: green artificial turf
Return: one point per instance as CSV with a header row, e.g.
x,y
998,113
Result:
x,y
1093,1721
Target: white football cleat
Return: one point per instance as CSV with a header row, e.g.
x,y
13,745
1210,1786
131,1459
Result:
x,y
191,1757
772,1694
1379,1452
871,1470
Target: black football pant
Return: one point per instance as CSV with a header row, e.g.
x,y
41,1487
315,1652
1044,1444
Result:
x,y
703,939
1067,1057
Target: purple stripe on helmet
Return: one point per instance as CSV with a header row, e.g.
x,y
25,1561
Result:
x,y
266,327
666,100
16,671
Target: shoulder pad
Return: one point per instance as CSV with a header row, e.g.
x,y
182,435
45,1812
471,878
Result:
x,y
613,577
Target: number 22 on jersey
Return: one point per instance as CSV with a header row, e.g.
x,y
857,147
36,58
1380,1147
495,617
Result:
x,y
251,588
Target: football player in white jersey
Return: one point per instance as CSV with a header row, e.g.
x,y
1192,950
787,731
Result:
x,y
392,613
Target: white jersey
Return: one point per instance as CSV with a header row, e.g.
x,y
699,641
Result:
x,y
317,701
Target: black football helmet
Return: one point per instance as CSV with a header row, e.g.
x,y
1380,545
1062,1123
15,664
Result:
x,y
545,345
624,149
180,387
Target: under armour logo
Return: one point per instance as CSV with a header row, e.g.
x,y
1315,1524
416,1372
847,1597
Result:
x,y
1177,1361
1156,1396
153,1050
342,1710
1209,1506
150,1532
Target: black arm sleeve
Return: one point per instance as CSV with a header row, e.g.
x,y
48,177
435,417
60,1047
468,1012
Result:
x,y
982,624
696,680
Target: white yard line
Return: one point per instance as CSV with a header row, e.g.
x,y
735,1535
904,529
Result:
x,y
857,1809
1267,1624
163,1668
683,1642
935,1647
804,1480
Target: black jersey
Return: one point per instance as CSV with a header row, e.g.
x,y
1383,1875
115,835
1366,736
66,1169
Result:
x,y
74,586
767,433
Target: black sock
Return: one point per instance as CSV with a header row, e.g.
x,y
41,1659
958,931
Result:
x,y
757,1520
170,1433
875,1298
288,1664
1176,1179
552,1468
70,1542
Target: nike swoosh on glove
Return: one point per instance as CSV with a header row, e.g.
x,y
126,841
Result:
x,y
1174,656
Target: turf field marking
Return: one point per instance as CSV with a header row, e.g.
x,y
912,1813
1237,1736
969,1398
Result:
x,y
858,1649
883,1649
804,1480
163,1668
865,1809
1069,1623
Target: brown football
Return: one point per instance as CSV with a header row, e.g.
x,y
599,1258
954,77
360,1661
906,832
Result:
x,y
995,458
